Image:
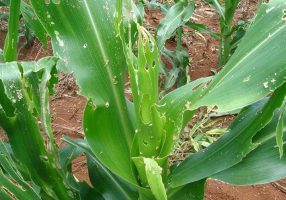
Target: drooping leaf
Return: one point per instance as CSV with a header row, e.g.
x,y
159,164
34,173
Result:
x,y
84,38
202,29
233,146
262,165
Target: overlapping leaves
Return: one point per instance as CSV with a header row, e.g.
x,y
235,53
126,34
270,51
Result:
x,y
85,39
23,90
83,36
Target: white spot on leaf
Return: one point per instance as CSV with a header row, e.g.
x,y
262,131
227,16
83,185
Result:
x,y
60,41
107,104
269,9
246,79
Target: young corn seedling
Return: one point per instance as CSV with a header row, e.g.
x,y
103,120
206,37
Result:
x,y
31,27
127,144
176,16
230,35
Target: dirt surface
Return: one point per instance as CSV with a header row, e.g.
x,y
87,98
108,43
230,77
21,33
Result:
x,y
220,191
67,106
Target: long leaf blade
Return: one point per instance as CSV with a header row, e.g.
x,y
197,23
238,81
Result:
x,y
261,166
232,147
258,65
84,37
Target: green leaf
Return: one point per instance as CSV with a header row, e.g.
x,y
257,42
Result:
x,y
233,146
230,7
143,71
177,16
67,155
191,191
172,77
104,146
4,2
33,23
84,38
89,193
1,56
8,171
104,181
202,29
40,85
153,4
218,7
18,119
11,41
153,173
257,66
279,130
176,106
262,165
3,193
31,20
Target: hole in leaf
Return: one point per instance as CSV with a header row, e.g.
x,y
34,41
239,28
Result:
x,y
145,142
284,15
153,64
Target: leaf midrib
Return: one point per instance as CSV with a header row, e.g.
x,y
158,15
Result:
x,y
248,55
109,73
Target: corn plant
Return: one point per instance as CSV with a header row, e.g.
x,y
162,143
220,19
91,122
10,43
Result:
x,y
31,26
126,143
230,35
170,26
176,17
